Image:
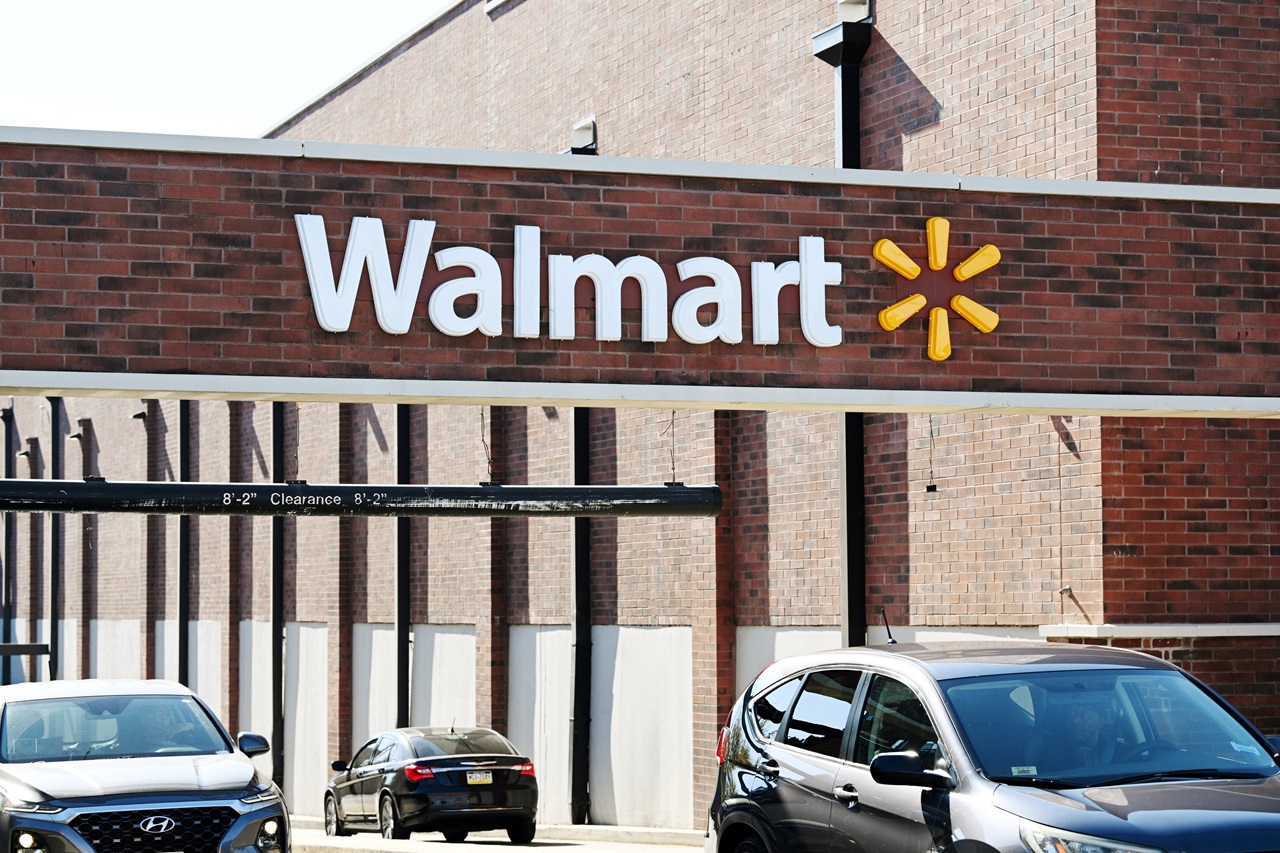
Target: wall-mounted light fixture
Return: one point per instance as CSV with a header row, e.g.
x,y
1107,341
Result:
x,y
75,436
140,415
855,11
584,139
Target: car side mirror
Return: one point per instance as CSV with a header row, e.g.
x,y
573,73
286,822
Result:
x,y
251,744
339,765
906,768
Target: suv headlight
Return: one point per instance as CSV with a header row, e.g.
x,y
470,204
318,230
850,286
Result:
x,y
20,807
1047,839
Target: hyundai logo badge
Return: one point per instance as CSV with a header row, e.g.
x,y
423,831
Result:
x,y
157,824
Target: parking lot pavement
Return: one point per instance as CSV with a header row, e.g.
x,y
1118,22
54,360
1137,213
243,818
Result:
x,y
309,837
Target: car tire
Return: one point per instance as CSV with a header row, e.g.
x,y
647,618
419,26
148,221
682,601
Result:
x,y
332,824
522,832
389,821
454,836
750,844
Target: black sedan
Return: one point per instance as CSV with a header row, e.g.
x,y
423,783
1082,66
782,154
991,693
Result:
x,y
453,781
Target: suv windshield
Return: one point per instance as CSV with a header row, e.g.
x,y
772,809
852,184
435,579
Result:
x,y
106,727
1101,726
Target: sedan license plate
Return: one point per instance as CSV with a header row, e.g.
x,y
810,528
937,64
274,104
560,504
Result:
x,y
479,777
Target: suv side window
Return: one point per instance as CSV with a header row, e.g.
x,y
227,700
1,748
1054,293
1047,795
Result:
x,y
822,712
894,720
770,709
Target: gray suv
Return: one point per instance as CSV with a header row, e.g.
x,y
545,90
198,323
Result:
x,y
990,747
101,766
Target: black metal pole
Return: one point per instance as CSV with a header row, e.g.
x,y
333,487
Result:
x,y
855,491
580,725
56,472
184,546
277,602
403,628
844,46
10,539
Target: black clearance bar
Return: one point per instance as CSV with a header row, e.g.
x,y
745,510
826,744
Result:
x,y
300,498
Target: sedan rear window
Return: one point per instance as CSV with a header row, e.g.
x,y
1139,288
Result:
x,y
461,743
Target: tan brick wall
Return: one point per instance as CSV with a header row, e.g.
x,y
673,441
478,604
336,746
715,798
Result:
x,y
458,566
1001,88
1016,516
716,82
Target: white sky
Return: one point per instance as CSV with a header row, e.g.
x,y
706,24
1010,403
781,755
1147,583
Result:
x,y
230,68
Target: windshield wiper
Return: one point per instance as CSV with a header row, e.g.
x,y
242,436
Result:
x,y
1036,781
1195,773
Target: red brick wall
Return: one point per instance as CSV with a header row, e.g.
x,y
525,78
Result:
x,y
1187,520
1187,92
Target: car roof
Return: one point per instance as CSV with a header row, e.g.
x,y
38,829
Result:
x,y
944,661
439,731
71,688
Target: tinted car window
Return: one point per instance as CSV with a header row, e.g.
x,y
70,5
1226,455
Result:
x,y
382,752
461,743
770,709
364,756
893,720
822,712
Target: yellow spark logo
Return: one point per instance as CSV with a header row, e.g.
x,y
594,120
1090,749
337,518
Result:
x,y
939,236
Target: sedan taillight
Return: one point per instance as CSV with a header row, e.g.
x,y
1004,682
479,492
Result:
x,y
722,744
416,772
525,769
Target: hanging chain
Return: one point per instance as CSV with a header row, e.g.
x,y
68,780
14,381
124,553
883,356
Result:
x,y
484,440
671,428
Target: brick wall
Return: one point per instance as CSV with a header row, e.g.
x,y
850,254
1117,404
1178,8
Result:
x,y
1187,92
1001,88
1014,516
1188,528
717,82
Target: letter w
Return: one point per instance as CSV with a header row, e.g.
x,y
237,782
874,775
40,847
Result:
x,y
393,299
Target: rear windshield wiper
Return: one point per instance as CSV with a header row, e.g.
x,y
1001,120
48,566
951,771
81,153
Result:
x,y
1200,773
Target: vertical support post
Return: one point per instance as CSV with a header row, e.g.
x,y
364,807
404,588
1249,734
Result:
x,y
855,511
184,546
843,46
277,601
55,538
10,541
404,529
580,725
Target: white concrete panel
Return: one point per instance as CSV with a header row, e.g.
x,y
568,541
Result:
x,y
444,676
68,649
115,649
167,649
373,677
539,707
760,645
256,710
306,716
642,726
206,666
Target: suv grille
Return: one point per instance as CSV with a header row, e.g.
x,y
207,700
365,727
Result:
x,y
192,831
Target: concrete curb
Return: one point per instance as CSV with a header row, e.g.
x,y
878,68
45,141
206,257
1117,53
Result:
x,y
309,837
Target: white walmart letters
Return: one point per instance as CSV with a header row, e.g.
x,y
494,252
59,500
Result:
x,y
394,299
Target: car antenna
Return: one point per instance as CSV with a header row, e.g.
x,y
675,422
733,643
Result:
x,y
886,626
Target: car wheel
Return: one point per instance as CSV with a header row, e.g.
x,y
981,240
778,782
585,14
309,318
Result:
x,y
453,836
389,821
522,832
750,844
332,825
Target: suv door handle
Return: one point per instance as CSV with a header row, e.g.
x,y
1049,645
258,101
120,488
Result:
x,y
770,768
848,795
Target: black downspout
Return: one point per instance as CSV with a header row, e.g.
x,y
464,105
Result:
x,y
580,725
403,628
184,545
55,535
843,46
855,510
277,601
10,541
